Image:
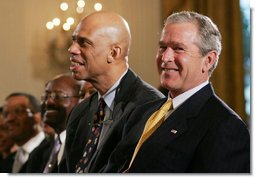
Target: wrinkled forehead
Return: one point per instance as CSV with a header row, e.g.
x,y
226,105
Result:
x,y
62,84
88,31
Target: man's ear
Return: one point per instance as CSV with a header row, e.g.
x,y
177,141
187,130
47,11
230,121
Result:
x,y
38,117
114,54
209,60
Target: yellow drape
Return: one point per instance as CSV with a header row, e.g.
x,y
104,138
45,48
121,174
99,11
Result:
x,y
228,78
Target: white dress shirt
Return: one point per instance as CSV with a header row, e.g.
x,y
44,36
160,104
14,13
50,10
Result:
x,y
23,151
109,100
63,141
178,100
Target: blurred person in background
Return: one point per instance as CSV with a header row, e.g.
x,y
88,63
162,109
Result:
x,y
48,130
21,112
61,94
87,90
7,147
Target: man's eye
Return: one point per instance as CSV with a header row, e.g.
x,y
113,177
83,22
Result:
x,y
162,48
59,96
84,42
81,42
179,49
19,110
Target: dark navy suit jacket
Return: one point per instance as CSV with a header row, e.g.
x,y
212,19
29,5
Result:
x,y
203,135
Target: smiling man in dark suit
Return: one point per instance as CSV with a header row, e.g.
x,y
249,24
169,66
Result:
x,y
99,54
199,133
21,112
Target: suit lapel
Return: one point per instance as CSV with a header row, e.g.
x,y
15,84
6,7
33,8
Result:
x,y
85,120
126,87
121,102
82,120
176,124
121,105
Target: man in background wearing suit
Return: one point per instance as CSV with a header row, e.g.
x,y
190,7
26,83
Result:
x,y
61,94
7,146
21,112
99,54
198,133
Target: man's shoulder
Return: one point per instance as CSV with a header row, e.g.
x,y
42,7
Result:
x,y
85,104
81,110
145,91
43,146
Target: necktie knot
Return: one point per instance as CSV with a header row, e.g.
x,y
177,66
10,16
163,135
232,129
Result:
x,y
100,111
168,105
101,103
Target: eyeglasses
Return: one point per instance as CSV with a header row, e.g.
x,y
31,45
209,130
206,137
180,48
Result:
x,y
57,96
18,111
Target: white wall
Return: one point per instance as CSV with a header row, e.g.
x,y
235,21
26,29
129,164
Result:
x,y
24,64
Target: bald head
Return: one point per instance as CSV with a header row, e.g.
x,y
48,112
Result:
x,y
99,52
109,25
68,80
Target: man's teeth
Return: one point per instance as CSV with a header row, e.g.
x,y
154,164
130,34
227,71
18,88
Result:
x,y
167,70
76,64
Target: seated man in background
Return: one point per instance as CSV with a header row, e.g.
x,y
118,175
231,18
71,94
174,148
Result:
x,y
61,94
48,130
7,147
22,115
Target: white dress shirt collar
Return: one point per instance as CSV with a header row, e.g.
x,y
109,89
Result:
x,y
110,94
177,101
31,144
62,138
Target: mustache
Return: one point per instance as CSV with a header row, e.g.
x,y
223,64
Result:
x,y
51,107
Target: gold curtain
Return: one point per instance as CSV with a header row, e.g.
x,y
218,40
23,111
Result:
x,y
228,78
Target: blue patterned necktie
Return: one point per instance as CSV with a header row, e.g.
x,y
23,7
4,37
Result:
x,y
91,145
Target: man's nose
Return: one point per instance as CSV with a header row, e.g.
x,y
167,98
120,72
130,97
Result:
x,y
168,55
74,48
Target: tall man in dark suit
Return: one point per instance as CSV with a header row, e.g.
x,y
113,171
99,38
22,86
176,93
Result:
x,y
99,54
199,133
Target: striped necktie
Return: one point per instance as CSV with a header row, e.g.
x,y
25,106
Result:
x,y
156,119
52,162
